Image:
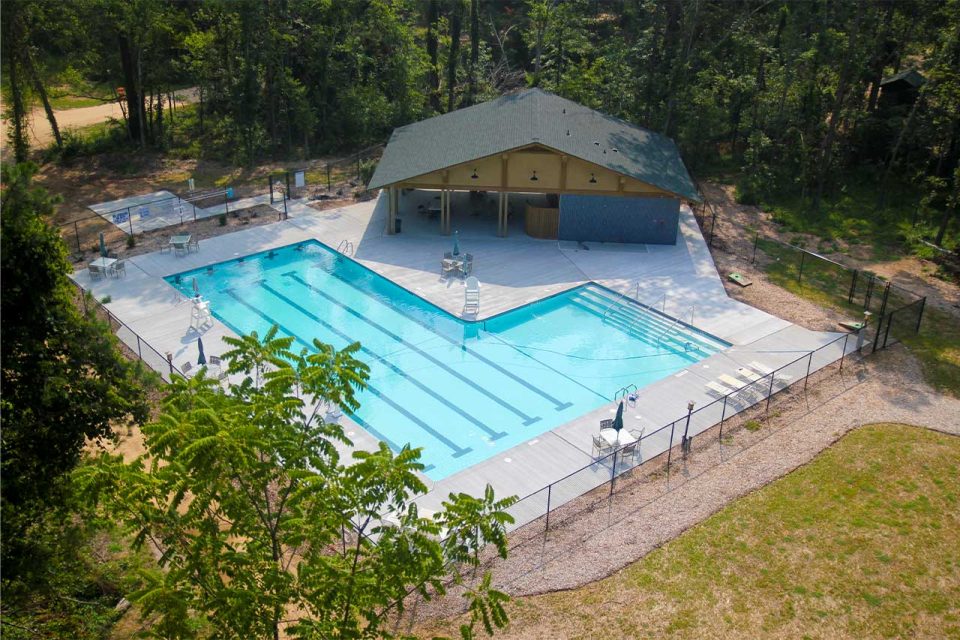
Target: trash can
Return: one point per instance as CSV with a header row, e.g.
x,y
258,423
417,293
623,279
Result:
x,y
397,225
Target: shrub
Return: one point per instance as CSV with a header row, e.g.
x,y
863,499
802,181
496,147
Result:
x,y
222,219
131,242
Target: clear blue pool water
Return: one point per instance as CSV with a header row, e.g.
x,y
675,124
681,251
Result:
x,y
463,391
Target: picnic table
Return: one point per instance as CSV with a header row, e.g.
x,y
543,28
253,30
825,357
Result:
x,y
181,243
103,263
617,438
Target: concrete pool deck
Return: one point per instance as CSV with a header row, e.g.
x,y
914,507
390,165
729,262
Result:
x,y
682,280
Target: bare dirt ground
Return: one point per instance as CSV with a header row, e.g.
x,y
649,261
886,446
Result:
x,y
41,135
735,244
108,177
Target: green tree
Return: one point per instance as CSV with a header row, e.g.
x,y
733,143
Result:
x,y
261,526
64,378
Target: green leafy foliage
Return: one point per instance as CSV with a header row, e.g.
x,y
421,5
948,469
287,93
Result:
x,y
64,379
261,525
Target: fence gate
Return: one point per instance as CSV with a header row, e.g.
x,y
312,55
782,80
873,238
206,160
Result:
x,y
287,185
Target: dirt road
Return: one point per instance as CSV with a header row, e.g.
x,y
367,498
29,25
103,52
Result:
x,y
41,135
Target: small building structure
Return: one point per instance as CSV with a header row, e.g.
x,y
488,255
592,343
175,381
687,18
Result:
x,y
570,172
901,89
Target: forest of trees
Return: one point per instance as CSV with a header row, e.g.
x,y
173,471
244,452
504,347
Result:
x,y
787,91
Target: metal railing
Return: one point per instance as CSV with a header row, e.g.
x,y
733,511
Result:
x,y
606,469
161,363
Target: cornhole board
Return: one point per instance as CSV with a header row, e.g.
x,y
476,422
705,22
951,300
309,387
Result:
x,y
852,326
740,279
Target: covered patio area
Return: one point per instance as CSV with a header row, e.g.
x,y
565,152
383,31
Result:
x,y
472,214
535,162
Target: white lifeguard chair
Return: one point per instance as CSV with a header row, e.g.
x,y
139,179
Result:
x,y
200,315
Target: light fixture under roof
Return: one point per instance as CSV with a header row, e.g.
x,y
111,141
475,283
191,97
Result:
x,y
474,176
534,177
593,179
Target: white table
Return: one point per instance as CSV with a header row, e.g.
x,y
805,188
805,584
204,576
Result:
x,y
103,263
617,438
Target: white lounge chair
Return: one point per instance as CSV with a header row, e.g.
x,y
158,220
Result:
x,y
748,375
730,381
764,370
719,389
471,296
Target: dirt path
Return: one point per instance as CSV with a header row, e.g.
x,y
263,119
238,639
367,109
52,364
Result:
x,y
41,135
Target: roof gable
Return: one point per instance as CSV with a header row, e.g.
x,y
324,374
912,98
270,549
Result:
x,y
533,117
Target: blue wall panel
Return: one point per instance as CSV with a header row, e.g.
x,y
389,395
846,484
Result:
x,y
619,219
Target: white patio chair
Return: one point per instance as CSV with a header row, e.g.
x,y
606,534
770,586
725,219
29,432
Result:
x,y
96,273
467,268
117,269
601,447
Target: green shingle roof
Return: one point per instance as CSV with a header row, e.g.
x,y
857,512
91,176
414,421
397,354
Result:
x,y
533,117
911,76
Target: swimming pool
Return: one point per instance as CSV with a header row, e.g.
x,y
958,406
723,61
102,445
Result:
x,y
463,391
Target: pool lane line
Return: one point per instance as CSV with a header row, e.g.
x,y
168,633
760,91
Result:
x,y
458,450
558,405
495,435
527,420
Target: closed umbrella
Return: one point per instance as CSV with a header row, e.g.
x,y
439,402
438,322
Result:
x,y
456,243
202,360
103,247
618,421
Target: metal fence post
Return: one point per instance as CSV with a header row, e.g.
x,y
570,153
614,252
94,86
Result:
x,y
869,294
713,225
886,334
549,492
883,309
76,232
770,390
853,285
723,415
613,470
670,449
807,377
844,352
328,176
139,354
226,203
803,257
923,304
270,186
130,220
756,239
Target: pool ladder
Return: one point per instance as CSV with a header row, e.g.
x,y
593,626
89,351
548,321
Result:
x,y
623,392
345,247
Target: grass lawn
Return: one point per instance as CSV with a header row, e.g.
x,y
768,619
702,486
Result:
x,y
864,542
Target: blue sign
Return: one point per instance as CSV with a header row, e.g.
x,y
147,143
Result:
x,y
144,212
119,218
229,192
